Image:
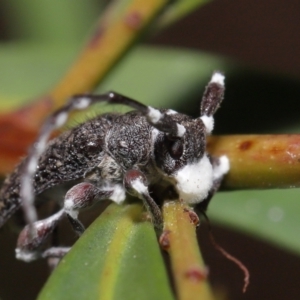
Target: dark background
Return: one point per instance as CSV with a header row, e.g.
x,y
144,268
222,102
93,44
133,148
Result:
x,y
263,34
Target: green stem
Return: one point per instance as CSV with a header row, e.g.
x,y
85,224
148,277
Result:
x,y
259,161
180,240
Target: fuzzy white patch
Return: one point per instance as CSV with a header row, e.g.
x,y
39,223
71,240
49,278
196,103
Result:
x,y
154,135
61,119
154,114
171,112
82,103
180,130
32,165
222,168
194,181
42,142
118,194
139,186
69,208
26,255
218,78
209,123
26,192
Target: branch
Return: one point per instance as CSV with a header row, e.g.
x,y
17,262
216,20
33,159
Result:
x,y
180,240
259,161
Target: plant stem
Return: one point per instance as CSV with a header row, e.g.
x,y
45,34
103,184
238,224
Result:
x,y
259,161
179,239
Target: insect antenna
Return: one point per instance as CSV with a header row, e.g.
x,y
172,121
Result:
x,y
211,100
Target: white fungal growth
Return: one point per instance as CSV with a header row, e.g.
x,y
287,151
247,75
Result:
x,y
222,168
32,165
82,103
208,123
180,130
139,186
218,78
26,256
154,115
194,181
61,119
69,208
171,112
118,194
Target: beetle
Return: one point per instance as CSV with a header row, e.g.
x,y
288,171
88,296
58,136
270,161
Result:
x,y
148,153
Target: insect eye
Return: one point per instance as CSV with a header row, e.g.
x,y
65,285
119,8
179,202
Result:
x,y
175,148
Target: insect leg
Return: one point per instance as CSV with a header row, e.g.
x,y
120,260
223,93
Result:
x,y
56,120
55,252
212,99
136,184
28,245
80,196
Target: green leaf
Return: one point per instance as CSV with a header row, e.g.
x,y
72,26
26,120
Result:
x,y
163,79
271,215
118,257
29,69
50,21
177,10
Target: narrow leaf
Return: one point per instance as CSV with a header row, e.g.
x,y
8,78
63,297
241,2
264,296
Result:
x,y
117,258
177,10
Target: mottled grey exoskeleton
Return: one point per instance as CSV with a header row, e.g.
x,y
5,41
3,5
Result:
x,y
147,149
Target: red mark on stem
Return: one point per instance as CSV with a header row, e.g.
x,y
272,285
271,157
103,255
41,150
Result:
x,y
196,274
164,240
246,145
276,150
94,41
193,216
134,20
